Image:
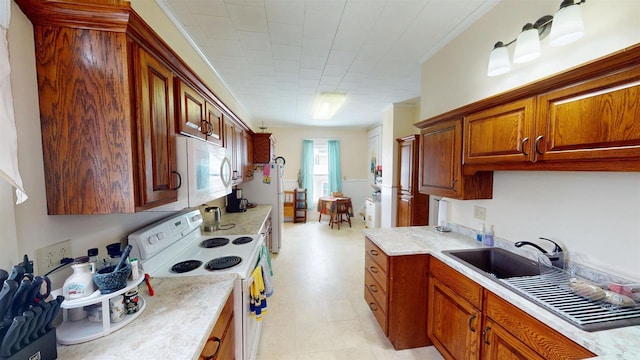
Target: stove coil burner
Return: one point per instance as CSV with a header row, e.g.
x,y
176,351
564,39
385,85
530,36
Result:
x,y
214,242
224,262
242,240
186,266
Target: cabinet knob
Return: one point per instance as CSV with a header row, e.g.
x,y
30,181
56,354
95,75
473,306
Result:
x,y
373,306
373,288
537,144
453,183
522,148
374,252
373,269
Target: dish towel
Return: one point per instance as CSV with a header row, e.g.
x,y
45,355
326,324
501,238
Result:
x,y
8,136
265,263
258,304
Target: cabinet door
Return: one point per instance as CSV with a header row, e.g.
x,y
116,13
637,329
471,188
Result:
x,y
156,137
247,158
453,324
263,147
440,158
499,344
597,119
213,117
405,165
191,111
404,211
500,134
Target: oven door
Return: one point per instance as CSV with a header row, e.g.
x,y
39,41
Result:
x,y
251,328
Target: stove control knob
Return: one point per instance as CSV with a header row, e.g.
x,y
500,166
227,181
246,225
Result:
x,y
160,236
153,239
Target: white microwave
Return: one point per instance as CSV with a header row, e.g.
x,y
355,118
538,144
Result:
x,y
205,170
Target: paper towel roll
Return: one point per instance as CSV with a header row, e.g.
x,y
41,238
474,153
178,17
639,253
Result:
x,y
443,213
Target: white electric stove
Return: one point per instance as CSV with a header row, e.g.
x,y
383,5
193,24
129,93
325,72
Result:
x,y
176,246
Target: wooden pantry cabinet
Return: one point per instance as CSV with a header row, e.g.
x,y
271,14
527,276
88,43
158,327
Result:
x,y
220,344
466,321
441,164
413,206
263,148
396,291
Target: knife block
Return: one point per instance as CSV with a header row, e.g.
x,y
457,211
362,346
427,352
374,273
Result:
x,y
44,348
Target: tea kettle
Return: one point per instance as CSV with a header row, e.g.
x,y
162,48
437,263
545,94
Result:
x,y
211,218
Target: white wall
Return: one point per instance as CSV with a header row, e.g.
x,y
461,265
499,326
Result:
x,y
593,214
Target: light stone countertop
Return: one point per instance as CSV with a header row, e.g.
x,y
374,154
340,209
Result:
x,y
175,324
621,343
179,318
246,223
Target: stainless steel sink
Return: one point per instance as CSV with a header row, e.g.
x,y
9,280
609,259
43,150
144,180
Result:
x,y
495,262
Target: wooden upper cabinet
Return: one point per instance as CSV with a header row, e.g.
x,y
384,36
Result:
x,y
500,134
214,123
197,116
263,148
441,164
156,137
596,119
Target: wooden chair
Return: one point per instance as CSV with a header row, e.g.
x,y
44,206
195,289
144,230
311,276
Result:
x,y
341,213
289,205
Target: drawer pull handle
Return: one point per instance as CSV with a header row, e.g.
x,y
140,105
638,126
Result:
x,y
373,269
485,333
524,141
473,317
215,354
537,144
373,288
374,252
373,306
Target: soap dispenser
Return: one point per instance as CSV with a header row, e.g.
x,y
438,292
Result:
x,y
481,234
488,237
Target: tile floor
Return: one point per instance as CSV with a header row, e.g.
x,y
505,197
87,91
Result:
x,y
317,310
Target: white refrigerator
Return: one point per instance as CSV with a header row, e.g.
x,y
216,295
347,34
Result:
x,y
268,190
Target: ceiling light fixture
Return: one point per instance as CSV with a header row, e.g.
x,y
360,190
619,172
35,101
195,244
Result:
x,y
566,27
326,105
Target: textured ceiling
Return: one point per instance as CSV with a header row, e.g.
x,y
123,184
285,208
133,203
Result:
x,y
275,56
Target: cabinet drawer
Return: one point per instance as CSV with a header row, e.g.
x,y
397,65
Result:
x,y
541,338
457,282
376,271
377,310
377,255
376,291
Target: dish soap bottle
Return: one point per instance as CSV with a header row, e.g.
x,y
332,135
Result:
x,y
481,235
488,237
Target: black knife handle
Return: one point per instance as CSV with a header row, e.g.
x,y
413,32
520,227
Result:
x,y
11,335
17,345
6,295
54,313
19,299
47,307
37,313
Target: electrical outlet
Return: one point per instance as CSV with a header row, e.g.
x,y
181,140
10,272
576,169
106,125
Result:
x,y
479,212
49,256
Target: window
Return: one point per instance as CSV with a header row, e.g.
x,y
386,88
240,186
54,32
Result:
x,y
320,169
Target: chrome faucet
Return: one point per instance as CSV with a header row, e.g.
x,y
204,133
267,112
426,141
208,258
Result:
x,y
556,256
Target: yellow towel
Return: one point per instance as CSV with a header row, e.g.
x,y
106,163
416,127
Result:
x,y
258,297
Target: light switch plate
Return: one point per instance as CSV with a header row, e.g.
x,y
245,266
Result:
x,y
479,212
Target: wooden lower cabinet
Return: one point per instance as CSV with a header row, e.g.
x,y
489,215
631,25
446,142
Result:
x,y
221,342
466,321
396,292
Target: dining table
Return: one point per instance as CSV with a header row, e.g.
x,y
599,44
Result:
x,y
327,206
